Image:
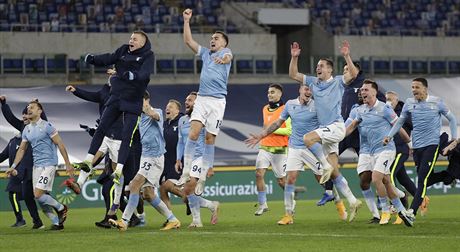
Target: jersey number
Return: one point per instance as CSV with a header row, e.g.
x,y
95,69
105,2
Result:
x,y
218,124
43,180
385,163
146,166
326,129
195,168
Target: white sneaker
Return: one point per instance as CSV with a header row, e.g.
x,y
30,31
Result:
x,y
261,209
199,188
408,217
354,209
195,225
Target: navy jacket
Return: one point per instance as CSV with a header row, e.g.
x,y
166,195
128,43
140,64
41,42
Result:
x,y
401,146
13,120
101,97
24,167
140,63
171,135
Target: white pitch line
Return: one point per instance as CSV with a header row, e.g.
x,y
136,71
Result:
x,y
319,235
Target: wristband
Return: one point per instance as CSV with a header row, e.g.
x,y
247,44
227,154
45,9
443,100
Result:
x,y
13,166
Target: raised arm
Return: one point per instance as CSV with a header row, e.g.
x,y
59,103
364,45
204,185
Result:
x,y
352,70
9,116
83,94
293,69
57,140
151,112
188,40
255,138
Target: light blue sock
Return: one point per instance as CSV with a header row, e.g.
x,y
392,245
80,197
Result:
x,y
289,198
384,204
161,207
130,207
262,197
46,199
369,196
208,160
398,204
317,150
194,204
342,186
49,212
189,153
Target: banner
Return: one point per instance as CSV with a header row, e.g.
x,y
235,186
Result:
x,y
229,184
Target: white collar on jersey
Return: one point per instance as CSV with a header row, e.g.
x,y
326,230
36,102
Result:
x,y
330,79
37,122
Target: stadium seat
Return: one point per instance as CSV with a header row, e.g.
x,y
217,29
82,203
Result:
x,y
244,66
454,67
264,66
12,65
438,67
165,66
401,66
381,66
184,65
419,66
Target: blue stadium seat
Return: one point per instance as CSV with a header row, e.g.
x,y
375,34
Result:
x,y
264,66
419,66
244,66
165,66
400,66
438,67
381,66
12,65
184,65
454,67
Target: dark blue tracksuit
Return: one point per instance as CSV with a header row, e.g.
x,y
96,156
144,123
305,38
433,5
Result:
x,y
171,137
126,96
350,98
114,132
398,169
24,168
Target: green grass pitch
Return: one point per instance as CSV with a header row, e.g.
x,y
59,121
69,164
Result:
x,y
314,229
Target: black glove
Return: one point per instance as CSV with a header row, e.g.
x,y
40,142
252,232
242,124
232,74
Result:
x,y
128,75
90,131
89,58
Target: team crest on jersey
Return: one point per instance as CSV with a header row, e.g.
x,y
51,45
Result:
x,y
174,128
138,58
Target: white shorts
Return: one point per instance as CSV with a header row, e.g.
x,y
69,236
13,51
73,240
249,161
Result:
x,y
197,168
382,161
210,112
151,168
277,162
330,136
364,163
111,146
298,158
43,177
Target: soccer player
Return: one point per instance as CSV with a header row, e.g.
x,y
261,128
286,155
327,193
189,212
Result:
x,y
210,103
273,148
43,138
304,118
375,119
398,170
27,162
170,132
150,170
327,91
425,111
134,64
194,201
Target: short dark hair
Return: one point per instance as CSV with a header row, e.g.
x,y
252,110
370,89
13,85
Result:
x,y
373,84
36,103
195,93
146,95
142,33
178,104
356,63
277,86
223,35
328,61
421,80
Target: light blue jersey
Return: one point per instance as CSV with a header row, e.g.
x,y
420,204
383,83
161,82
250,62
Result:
x,y
374,123
363,144
39,135
184,128
328,98
303,120
426,120
214,77
151,131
